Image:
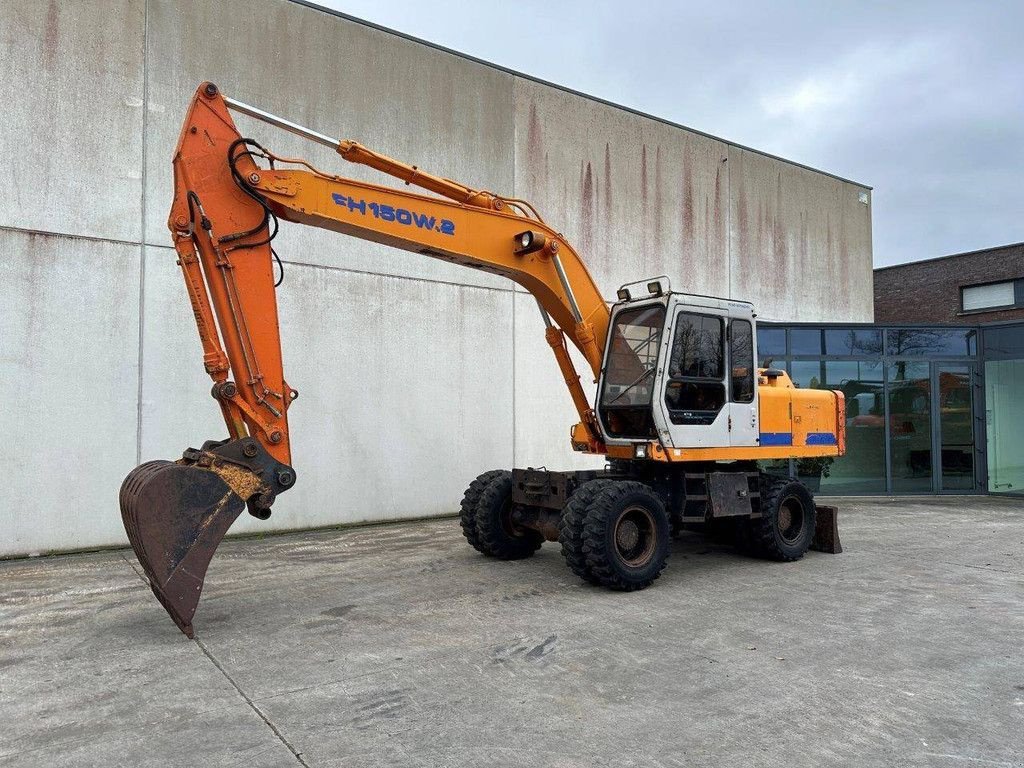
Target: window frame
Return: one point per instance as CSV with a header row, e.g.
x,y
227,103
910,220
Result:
x,y
751,367
658,309
708,415
1017,285
641,416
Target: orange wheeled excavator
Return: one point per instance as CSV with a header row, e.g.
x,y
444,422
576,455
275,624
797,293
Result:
x,y
682,413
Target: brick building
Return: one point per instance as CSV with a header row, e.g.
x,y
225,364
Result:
x,y
975,287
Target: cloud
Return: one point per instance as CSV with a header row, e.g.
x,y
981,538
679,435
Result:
x,y
811,99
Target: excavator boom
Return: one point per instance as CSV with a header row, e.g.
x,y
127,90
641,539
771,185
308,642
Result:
x,y
223,219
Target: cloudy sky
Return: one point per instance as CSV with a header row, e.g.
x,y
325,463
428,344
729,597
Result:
x,y
922,101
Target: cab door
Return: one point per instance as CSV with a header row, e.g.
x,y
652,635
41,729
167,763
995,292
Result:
x,y
695,399
742,406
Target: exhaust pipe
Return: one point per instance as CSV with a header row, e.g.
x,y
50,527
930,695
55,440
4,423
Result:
x,y
177,513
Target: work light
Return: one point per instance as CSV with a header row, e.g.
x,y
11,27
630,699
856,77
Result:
x,y
528,242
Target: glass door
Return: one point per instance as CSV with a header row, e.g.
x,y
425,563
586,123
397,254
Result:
x,y
909,407
954,385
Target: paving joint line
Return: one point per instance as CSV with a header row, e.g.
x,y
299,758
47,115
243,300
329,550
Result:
x,y
138,573
252,705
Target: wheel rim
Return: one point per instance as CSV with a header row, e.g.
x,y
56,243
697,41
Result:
x,y
635,536
507,525
791,520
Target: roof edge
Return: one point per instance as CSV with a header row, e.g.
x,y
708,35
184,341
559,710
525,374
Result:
x,y
515,73
949,256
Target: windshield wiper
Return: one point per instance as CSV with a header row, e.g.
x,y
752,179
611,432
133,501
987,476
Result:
x,y
636,381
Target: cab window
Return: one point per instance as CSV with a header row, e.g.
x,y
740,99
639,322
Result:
x,y
695,391
630,371
741,361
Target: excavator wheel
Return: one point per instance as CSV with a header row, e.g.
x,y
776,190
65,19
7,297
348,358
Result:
x,y
497,535
785,529
467,510
570,528
625,533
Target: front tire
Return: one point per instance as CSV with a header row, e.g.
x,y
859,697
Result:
x,y
498,536
785,529
626,536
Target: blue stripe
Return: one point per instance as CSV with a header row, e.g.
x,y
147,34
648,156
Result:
x,y
821,438
776,438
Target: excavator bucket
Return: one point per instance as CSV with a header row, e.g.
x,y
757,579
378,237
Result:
x,y
177,513
176,516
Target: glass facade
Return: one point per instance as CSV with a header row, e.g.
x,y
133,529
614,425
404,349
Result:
x,y
1003,352
924,406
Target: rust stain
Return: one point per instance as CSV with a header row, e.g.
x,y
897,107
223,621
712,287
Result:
x,y
777,231
708,234
643,197
643,178
829,241
844,264
736,276
607,183
51,36
659,206
779,249
804,244
535,153
719,218
803,247
587,185
212,516
606,203
688,217
830,246
762,230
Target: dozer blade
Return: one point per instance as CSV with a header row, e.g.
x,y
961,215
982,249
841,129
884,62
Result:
x,y
176,516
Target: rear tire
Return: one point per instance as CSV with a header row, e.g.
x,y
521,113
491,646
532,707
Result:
x,y
626,536
785,529
497,535
467,510
570,528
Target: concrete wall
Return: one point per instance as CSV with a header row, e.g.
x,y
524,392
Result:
x,y
445,370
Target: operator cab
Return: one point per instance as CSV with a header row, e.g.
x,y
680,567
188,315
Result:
x,y
679,369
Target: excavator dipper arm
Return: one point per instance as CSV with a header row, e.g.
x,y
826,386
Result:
x,y
223,219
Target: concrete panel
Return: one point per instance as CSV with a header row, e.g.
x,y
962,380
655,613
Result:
x,y
636,197
436,110
72,99
406,390
176,407
69,313
544,409
801,242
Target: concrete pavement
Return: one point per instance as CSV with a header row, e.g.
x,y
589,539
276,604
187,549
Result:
x,y
398,645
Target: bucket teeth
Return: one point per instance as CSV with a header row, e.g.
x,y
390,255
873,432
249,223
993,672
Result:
x,y
175,516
